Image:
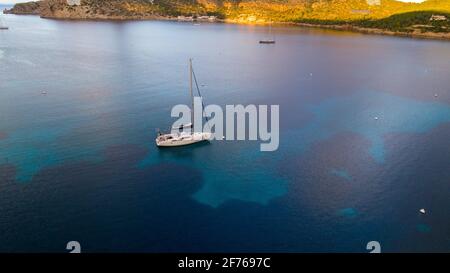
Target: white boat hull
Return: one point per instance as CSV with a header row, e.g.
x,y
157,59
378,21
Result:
x,y
183,139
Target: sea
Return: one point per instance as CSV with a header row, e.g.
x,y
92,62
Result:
x,y
364,142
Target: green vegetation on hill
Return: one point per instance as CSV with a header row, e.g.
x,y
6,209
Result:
x,y
410,21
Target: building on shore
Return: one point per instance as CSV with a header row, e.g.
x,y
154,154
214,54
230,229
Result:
x,y
438,18
185,18
207,18
198,18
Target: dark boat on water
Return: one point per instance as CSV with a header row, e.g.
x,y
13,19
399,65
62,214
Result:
x,y
269,40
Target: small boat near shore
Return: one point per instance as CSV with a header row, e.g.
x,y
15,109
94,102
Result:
x,y
184,138
268,40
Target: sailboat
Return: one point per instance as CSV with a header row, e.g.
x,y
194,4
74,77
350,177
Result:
x,y
270,40
184,138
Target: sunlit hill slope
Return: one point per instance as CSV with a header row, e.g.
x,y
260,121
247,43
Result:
x,y
390,14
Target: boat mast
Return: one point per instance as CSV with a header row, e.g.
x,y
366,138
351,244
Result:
x,y
191,93
270,30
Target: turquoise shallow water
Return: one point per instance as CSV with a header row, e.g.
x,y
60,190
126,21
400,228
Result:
x,y
363,139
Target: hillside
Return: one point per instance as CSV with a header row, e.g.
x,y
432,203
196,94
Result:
x,y
25,8
390,15
239,10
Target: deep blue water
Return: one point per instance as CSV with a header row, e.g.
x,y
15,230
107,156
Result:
x,y
80,163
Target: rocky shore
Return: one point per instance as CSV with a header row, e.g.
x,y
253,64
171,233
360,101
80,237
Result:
x,y
25,8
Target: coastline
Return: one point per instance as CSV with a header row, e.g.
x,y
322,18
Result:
x,y
347,27
356,29
378,31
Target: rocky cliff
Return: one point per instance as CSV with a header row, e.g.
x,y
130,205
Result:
x,y
25,8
